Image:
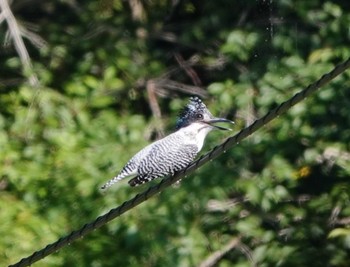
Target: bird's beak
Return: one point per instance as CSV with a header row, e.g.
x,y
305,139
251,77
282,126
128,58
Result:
x,y
216,120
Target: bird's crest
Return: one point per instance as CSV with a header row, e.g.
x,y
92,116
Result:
x,y
193,111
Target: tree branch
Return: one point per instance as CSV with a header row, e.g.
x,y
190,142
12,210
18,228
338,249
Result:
x,y
18,41
218,255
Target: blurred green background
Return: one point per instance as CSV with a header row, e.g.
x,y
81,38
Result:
x,y
114,75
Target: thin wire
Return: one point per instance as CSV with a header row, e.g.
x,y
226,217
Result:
x,y
214,153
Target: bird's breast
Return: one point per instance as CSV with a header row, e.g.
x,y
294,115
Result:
x,y
195,135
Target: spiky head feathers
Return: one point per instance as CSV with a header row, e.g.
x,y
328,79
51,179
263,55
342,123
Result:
x,y
195,110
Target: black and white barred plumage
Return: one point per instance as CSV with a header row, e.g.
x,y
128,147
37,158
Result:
x,y
175,151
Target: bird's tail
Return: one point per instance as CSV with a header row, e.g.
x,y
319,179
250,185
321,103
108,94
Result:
x,y
112,182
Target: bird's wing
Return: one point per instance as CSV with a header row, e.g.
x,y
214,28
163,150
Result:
x,y
133,164
163,160
130,168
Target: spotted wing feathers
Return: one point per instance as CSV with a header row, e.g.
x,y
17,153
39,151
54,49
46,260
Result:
x,y
163,161
162,158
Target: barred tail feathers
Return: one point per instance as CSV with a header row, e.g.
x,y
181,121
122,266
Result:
x,y
111,182
117,178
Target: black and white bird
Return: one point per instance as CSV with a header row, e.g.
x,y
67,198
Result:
x,y
175,151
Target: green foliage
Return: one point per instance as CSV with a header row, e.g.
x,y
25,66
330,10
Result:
x,y
284,192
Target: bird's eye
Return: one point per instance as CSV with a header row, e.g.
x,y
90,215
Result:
x,y
199,116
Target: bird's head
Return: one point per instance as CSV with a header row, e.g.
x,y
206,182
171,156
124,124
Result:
x,y
196,111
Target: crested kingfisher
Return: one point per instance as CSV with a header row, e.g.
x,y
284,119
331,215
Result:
x,y
175,151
